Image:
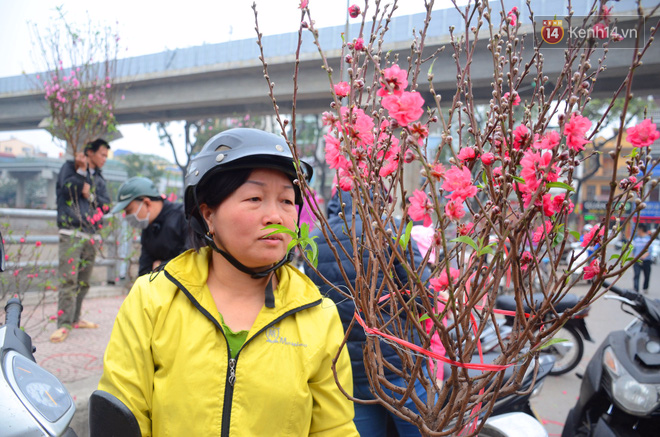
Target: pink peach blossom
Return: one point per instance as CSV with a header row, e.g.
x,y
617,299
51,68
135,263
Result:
x,y
459,183
642,134
405,108
395,78
420,207
467,154
342,89
592,270
558,200
593,237
454,210
516,99
541,231
487,158
437,171
520,136
442,282
513,16
575,131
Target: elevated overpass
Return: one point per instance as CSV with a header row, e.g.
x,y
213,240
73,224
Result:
x,y
227,78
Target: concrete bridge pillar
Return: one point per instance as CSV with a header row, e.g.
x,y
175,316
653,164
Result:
x,y
51,192
22,179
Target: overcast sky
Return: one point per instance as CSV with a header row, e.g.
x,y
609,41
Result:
x,y
147,26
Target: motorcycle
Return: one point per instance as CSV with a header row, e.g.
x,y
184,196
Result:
x,y
568,354
33,402
620,391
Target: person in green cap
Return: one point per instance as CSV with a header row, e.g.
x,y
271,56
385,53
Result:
x,y
163,223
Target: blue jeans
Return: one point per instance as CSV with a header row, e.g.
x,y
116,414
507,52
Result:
x,y
639,268
371,420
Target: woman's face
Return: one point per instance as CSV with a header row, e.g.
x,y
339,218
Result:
x,y
266,198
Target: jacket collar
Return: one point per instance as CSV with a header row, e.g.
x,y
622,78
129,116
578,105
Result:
x,y
189,271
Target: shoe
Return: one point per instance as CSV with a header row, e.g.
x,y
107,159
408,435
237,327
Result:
x,y
59,335
85,324
646,291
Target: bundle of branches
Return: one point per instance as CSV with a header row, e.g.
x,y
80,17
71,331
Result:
x,y
79,81
501,204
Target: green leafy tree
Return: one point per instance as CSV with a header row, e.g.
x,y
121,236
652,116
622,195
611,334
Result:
x,y
148,166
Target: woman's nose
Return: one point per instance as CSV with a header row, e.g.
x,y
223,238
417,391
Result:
x,y
273,214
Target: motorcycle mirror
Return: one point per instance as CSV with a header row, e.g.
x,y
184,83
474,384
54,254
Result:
x,y
109,417
2,253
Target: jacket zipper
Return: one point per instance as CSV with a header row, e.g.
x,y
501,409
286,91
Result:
x,y
232,362
231,368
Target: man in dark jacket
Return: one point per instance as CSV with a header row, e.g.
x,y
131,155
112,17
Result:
x,y
370,420
163,223
82,199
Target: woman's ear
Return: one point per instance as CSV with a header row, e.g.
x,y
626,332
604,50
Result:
x,y
207,215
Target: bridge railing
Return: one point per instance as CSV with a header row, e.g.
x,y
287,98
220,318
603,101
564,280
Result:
x,y
37,232
282,45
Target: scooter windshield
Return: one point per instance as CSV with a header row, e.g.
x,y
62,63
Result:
x,y
41,389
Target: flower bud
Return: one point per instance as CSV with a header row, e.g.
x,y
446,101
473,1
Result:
x,y
409,156
354,11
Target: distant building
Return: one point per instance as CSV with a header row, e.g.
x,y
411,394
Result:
x,y
19,149
595,191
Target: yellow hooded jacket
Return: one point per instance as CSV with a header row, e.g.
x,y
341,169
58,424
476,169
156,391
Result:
x,y
168,360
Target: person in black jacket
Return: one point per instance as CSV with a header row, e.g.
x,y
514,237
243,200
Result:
x,y
371,420
82,199
163,223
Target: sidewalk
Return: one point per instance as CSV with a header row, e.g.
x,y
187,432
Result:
x,y
78,361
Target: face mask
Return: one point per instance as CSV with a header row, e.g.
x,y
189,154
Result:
x,y
136,222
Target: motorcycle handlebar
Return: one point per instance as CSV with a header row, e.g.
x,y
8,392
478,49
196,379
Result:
x,y
13,311
630,295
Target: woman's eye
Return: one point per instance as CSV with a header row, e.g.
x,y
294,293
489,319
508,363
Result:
x,y
254,199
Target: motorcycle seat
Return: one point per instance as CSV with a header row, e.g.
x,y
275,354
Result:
x,y
508,302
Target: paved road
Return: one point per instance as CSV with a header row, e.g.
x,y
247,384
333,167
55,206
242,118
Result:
x,y
560,393
78,361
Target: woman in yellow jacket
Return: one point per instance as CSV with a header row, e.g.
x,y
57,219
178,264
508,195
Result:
x,y
228,339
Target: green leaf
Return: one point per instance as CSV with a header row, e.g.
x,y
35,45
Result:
x,y
552,341
518,179
431,67
424,317
560,185
486,251
279,229
575,234
467,240
304,231
403,241
312,253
